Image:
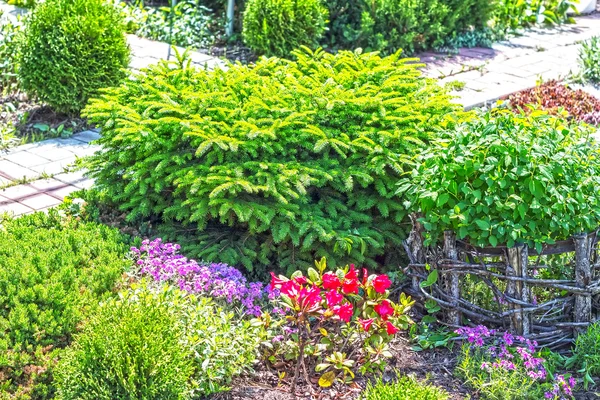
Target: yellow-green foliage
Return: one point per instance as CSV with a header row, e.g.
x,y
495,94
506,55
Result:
x,y
276,164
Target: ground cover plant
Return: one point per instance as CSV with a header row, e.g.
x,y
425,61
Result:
x,y
554,97
265,178
51,275
70,50
500,365
405,388
505,177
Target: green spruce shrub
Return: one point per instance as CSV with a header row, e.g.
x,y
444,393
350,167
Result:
x,y
52,271
505,178
273,165
277,27
70,49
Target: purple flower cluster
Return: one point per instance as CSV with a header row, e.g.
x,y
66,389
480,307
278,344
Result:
x,y
163,262
562,388
507,352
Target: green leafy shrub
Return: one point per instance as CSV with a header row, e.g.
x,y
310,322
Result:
x,y
263,176
589,59
70,49
505,178
51,272
9,66
276,27
586,355
178,346
404,388
131,348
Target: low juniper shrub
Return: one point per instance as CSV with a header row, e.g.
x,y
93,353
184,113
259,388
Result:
x,y
163,263
500,365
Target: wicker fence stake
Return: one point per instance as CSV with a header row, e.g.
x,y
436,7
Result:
x,y
517,266
451,253
583,276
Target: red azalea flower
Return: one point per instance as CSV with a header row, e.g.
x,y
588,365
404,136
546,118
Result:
x,y
307,298
331,281
390,328
290,289
381,283
344,311
366,323
350,286
333,298
301,280
351,274
384,309
276,282
365,277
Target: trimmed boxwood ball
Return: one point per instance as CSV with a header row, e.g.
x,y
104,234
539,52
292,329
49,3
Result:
x,y
277,27
70,50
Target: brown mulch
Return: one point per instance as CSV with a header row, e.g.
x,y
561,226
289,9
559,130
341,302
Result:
x,y
18,111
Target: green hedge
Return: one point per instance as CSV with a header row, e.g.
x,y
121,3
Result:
x,y
504,178
272,165
51,272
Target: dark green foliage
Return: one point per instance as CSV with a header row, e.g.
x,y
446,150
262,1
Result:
x,y
72,48
275,165
277,27
505,178
410,25
51,272
132,348
405,388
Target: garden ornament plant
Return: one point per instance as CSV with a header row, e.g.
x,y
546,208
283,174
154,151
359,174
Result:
x,y
340,321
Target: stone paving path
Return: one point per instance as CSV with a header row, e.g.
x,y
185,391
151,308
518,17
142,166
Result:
x,y
37,176
515,64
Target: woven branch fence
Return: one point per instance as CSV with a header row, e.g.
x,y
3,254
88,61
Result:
x,y
509,279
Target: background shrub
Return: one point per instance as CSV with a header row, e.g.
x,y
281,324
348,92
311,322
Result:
x,y
410,25
177,346
405,388
270,177
9,66
276,27
505,178
72,48
51,273
589,59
